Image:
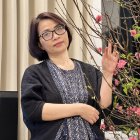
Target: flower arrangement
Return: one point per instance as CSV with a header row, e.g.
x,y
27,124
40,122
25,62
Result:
x,y
126,39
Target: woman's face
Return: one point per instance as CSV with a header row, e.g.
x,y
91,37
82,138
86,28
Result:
x,y
54,44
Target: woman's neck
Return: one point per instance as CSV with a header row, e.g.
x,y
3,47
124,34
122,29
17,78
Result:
x,y
63,62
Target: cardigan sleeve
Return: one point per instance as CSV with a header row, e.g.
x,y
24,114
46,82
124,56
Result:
x,y
96,82
104,112
31,99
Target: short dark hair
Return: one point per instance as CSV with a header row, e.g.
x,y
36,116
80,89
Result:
x,y
34,43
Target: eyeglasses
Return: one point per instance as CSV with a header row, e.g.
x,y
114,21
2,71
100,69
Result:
x,y
48,35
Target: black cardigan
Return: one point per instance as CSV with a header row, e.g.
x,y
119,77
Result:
x,y
38,87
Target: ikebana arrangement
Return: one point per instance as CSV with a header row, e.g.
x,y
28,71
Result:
x,y
124,115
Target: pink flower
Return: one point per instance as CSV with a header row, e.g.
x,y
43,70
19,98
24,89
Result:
x,y
130,110
99,50
102,126
132,138
137,111
121,64
134,109
98,18
116,82
133,32
137,55
138,131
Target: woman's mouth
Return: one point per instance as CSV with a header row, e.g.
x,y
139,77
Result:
x,y
58,44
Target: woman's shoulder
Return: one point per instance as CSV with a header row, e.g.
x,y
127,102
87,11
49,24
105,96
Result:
x,y
89,68
36,67
84,64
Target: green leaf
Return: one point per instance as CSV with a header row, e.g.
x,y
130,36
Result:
x,y
136,27
125,90
129,55
137,36
123,56
115,101
129,85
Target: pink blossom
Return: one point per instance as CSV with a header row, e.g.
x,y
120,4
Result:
x,y
102,126
138,131
116,82
132,138
99,50
137,111
133,32
121,64
98,18
134,109
130,110
137,55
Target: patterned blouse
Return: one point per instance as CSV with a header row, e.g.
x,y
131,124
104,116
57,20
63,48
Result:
x,y
72,87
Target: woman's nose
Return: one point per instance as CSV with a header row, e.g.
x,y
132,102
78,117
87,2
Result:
x,y
55,36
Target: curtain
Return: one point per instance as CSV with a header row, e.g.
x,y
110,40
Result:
x,y
15,16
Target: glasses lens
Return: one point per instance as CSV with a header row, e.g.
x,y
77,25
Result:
x,y
47,35
60,30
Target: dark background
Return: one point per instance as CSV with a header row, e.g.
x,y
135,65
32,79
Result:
x,y
8,115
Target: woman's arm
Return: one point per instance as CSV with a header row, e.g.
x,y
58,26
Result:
x,y
36,109
52,112
106,90
58,111
109,63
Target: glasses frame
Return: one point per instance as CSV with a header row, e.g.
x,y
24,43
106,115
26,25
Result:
x,y
52,32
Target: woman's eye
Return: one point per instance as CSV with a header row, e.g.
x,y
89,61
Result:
x,y
60,27
46,34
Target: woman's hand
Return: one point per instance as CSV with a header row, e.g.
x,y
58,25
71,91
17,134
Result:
x,y
109,59
89,113
109,63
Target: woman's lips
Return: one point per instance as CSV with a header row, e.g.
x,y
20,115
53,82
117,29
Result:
x,y
58,44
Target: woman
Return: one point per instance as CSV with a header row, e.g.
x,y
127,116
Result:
x,y
60,96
